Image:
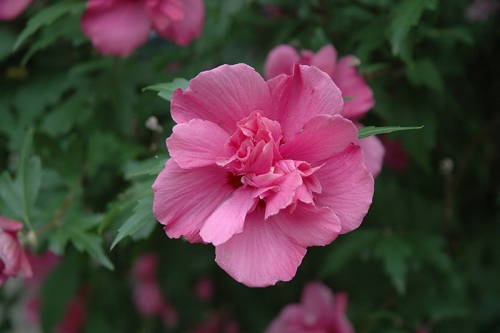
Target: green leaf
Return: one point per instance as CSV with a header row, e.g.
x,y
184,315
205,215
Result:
x,y
165,90
372,130
46,17
424,72
90,243
10,195
394,252
143,213
348,247
64,117
406,15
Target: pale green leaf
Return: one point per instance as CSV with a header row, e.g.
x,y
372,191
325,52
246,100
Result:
x,y
47,16
372,130
165,90
394,253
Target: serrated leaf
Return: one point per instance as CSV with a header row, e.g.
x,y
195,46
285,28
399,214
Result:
x,y
10,195
148,167
166,90
90,243
346,250
394,252
406,14
424,72
46,17
372,130
143,213
62,118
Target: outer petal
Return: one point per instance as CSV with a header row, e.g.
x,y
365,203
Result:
x,y
301,96
261,255
223,95
308,225
10,225
325,59
116,28
182,31
374,151
10,9
280,60
196,143
322,137
184,199
229,218
347,187
341,323
354,87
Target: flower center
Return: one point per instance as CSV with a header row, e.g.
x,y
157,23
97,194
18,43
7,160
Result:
x,y
255,161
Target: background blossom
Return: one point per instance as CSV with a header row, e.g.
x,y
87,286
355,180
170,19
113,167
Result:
x,y
10,9
261,170
13,260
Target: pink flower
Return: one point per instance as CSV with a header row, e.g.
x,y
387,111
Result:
x,y
74,317
42,265
357,94
318,312
10,9
395,155
261,170
118,27
13,261
204,289
481,10
147,294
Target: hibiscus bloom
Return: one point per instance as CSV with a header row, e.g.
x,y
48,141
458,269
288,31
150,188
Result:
x,y
319,311
118,27
261,170
10,9
357,94
13,261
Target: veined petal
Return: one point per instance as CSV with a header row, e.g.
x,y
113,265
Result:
x,y
186,28
261,255
353,86
196,143
229,218
280,60
347,187
297,98
308,225
224,96
116,29
184,199
322,137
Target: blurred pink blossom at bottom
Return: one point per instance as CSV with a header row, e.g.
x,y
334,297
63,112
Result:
x,y
218,323
318,311
147,294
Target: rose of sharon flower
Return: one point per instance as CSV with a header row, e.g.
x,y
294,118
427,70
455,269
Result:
x,y
261,170
118,27
319,311
13,261
147,294
357,94
10,9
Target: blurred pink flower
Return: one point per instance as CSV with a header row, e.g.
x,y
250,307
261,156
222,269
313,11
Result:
x,y
204,289
481,10
13,260
42,265
319,311
118,27
74,316
395,155
261,170
10,9
147,294
358,97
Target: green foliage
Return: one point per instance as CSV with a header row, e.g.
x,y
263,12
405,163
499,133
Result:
x,y
166,90
372,130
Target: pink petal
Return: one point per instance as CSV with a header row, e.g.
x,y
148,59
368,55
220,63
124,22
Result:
x,y
116,28
308,225
354,87
301,96
322,137
280,60
186,28
229,218
261,255
374,151
184,199
196,143
10,225
224,96
10,9
341,323
347,187
325,59
285,194
317,298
